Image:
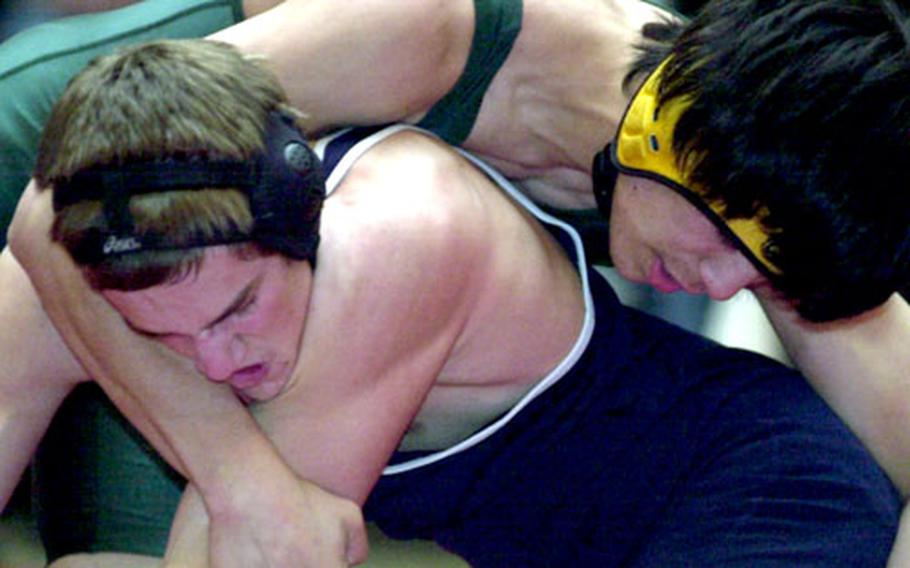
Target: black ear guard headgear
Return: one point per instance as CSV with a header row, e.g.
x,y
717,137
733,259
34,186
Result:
x,y
603,176
285,186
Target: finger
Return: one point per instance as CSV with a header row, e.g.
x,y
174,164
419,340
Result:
x,y
358,545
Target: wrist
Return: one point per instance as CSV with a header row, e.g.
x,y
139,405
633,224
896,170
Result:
x,y
233,483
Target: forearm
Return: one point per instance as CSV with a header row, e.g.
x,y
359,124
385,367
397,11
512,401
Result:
x,y
189,539
862,369
308,527
22,423
37,373
199,427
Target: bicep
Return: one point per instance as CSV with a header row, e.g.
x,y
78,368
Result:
x,y
354,397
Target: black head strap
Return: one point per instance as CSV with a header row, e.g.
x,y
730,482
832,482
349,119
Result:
x,y
285,186
603,176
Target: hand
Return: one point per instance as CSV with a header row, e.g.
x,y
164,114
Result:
x,y
295,524
309,527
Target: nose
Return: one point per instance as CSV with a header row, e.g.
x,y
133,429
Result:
x,y
218,354
727,273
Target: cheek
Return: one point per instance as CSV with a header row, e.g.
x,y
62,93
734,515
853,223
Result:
x,y
288,322
277,322
641,217
693,233
281,310
624,234
291,322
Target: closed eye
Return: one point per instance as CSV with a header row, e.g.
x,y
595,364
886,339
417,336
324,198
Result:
x,y
144,333
246,307
176,342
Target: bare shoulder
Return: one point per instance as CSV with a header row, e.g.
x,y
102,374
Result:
x,y
610,28
631,13
412,194
398,239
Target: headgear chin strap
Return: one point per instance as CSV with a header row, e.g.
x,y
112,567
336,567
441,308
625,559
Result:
x,y
644,147
285,186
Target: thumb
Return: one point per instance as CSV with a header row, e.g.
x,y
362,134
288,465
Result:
x,y
358,546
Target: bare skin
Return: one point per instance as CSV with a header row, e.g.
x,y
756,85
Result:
x,y
252,524
418,388
385,553
551,109
544,117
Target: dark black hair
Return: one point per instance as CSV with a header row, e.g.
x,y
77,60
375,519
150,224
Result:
x,y
803,107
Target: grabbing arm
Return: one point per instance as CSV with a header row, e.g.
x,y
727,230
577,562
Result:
x,y
360,61
861,367
370,353
38,371
180,413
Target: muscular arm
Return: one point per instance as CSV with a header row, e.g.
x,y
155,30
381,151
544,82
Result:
x,y
180,413
377,340
861,367
362,61
327,428
38,371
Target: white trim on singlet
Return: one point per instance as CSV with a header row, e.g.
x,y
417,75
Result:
x,y
584,335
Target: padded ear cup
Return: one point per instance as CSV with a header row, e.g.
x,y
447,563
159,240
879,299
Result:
x,y
288,198
285,186
603,177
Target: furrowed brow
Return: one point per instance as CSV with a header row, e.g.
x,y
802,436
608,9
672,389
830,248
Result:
x,y
239,300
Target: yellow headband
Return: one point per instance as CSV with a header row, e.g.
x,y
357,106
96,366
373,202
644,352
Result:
x,y
644,147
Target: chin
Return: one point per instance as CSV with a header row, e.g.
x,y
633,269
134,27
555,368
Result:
x,y
268,390
629,274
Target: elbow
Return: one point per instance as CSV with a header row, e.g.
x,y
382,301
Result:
x,y
439,47
22,224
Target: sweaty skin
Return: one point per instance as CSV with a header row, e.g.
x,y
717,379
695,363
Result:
x,y
556,101
544,117
478,308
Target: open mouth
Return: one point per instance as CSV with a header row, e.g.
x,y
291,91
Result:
x,y
249,377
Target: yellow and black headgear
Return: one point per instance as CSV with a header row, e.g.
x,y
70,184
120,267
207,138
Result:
x,y
644,147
